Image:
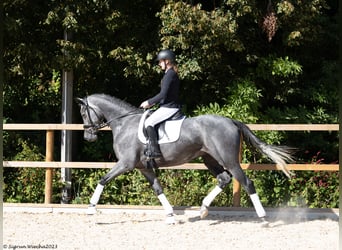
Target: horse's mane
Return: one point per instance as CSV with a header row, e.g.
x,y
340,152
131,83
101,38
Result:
x,y
114,100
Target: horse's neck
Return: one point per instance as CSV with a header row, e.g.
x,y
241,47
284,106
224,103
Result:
x,y
111,111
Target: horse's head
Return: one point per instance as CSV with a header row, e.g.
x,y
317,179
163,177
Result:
x,y
92,119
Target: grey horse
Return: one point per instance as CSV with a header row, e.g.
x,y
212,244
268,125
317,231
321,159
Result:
x,y
214,138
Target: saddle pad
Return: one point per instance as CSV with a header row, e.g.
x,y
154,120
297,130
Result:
x,y
168,131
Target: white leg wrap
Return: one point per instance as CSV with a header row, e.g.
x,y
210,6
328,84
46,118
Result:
x,y
257,205
211,196
96,196
166,205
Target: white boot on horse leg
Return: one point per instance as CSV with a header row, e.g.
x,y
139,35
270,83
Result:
x,y
223,178
95,199
259,209
207,201
170,218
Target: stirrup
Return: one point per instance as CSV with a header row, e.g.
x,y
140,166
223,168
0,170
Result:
x,y
152,154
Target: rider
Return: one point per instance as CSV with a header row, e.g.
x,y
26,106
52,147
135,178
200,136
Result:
x,y
167,99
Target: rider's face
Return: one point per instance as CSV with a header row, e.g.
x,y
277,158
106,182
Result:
x,y
163,64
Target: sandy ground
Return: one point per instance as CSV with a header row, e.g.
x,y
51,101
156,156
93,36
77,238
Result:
x,y
137,231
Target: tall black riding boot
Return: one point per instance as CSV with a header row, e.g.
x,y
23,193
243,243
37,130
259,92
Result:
x,y
152,150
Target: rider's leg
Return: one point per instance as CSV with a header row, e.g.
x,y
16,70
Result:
x,y
157,116
153,150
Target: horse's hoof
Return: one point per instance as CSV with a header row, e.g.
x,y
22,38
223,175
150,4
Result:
x,y
264,222
170,219
91,210
204,212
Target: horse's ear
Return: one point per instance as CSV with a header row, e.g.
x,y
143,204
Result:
x,y
80,101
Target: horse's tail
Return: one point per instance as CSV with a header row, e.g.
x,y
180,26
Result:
x,y
278,154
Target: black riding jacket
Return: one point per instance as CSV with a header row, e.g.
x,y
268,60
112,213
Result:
x,y
169,90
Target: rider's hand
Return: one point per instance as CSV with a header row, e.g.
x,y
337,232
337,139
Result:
x,y
145,105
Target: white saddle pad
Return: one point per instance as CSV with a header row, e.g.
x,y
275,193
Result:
x,y
168,131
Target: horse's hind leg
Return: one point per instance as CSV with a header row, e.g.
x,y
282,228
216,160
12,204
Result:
x,y
223,178
157,188
248,184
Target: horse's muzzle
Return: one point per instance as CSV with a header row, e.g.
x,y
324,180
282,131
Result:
x,y
90,135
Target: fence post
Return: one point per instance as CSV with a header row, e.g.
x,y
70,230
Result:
x,y
236,184
49,171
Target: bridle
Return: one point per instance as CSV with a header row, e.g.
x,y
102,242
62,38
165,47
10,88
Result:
x,y
94,127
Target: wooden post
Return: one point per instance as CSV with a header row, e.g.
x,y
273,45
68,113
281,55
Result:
x,y
236,184
49,171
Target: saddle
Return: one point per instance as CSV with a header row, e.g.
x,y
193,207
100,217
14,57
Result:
x,y
168,130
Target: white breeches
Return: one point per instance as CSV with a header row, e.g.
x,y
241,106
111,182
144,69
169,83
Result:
x,y
161,114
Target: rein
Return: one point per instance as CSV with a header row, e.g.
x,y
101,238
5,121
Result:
x,y
103,124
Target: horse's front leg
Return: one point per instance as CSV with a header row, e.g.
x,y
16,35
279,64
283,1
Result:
x,y
120,168
157,188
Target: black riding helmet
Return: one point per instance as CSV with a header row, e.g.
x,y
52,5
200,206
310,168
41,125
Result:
x,y
166,54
